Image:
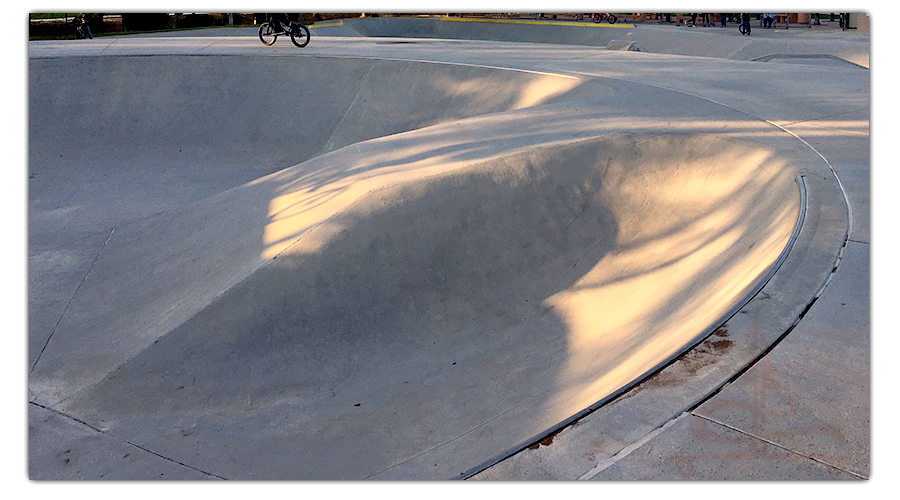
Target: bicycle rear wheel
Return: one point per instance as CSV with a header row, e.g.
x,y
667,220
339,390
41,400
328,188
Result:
x,y
267,34
300,35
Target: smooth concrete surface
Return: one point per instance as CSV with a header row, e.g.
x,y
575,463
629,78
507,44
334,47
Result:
x,y
714,41
439,259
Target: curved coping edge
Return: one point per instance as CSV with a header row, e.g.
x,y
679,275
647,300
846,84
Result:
x,y
773,269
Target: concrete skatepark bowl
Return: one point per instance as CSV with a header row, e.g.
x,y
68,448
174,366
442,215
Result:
x,y
393,267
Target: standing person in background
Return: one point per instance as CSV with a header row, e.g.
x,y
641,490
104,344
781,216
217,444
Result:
x,y
724,17
82,23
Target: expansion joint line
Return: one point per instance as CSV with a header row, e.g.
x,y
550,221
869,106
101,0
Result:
x,y
445,443
71,299
624,452
362,87
824,117
773,443
108,45
129,443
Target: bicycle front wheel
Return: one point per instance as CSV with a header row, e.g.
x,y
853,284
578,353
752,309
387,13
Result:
x,y
612,19
300,35
266,34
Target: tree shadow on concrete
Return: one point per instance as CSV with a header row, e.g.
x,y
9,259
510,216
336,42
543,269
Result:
x,y
421,319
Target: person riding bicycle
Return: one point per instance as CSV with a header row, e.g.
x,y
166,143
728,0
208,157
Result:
x,y
275,22
745,23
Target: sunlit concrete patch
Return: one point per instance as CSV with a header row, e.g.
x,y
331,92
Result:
x,y
674,275
434,321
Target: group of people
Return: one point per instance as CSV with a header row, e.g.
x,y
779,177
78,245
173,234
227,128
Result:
x,y
768,20
708,19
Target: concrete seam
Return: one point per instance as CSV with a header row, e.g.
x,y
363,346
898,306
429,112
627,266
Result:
x,y
624,452
82,422
423,61
108,45
825,117
72,298
731,55
120,225
495,417
349,108
769,57
773,443
317,56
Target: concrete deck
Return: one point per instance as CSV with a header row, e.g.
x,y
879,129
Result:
x,y
447,258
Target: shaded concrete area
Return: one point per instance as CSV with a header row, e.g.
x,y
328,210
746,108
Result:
x,y
471,275
64,449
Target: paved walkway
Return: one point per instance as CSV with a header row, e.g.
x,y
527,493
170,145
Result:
x,y
780,391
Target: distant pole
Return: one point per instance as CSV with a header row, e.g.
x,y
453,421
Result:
x,y
230,19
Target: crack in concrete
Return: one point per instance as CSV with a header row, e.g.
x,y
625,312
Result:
x,y
66,309
350,108
462,475
824,117
773,443
129,443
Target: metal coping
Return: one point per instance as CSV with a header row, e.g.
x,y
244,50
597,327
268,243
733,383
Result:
x,y
801,183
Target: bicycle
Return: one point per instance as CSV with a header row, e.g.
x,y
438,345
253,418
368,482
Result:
x,y
299,33
610,18
745,25
82,29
